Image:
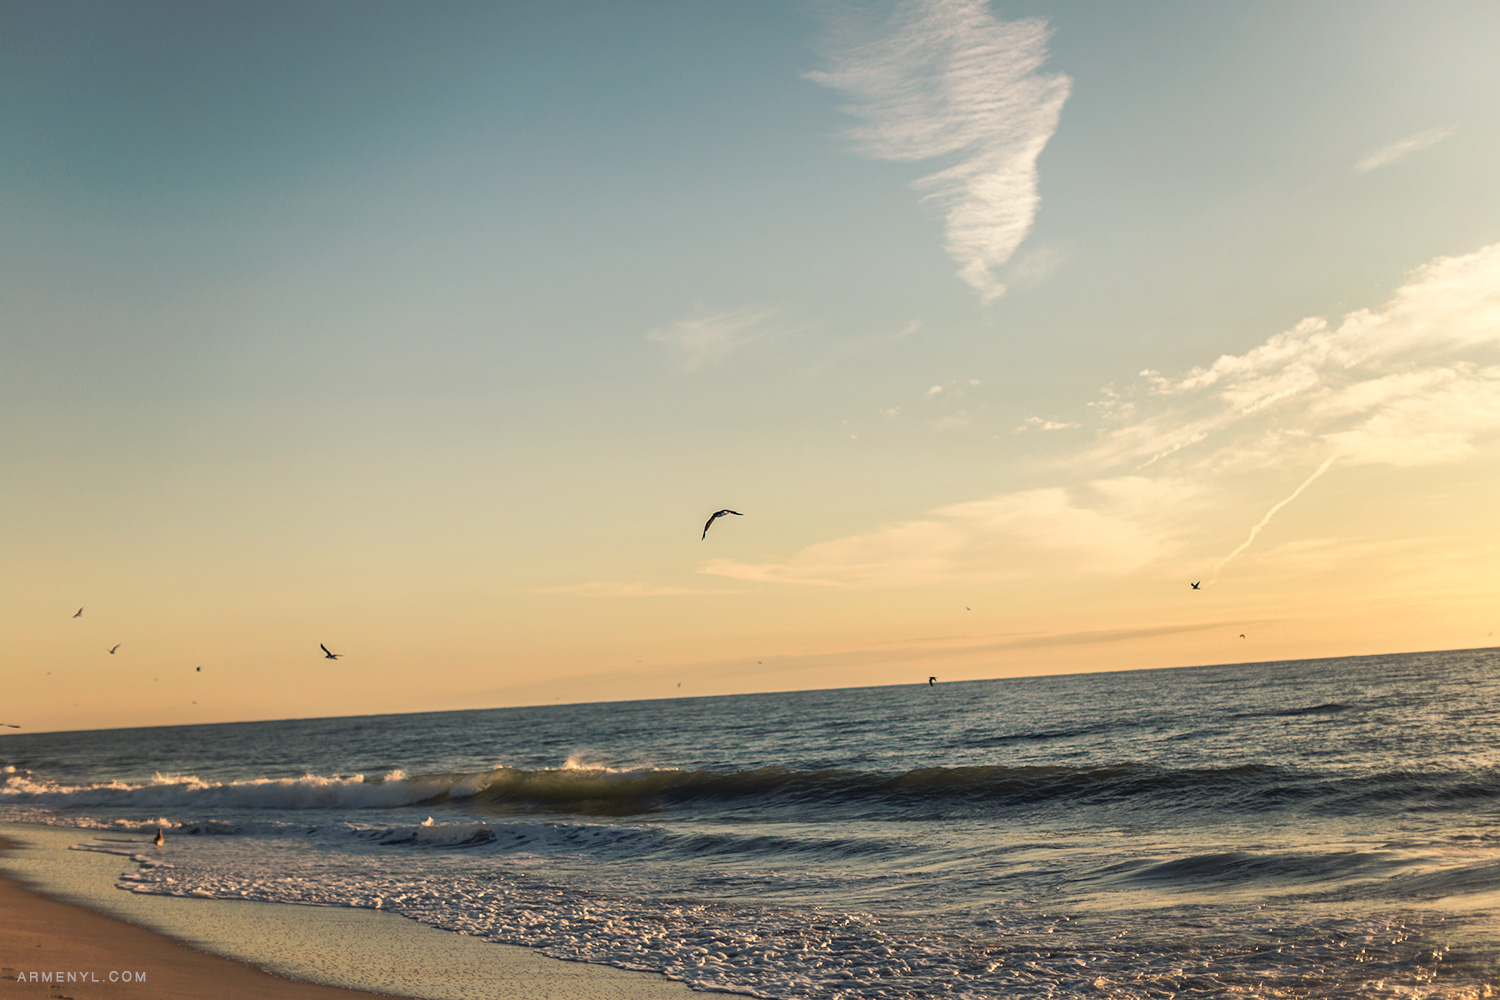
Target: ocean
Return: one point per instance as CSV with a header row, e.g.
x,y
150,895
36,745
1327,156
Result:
x,y
1320,828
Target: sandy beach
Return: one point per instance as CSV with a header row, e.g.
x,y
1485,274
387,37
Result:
x,y
52,949
57,949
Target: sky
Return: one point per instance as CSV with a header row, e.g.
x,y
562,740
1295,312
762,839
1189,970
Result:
x,y
434,334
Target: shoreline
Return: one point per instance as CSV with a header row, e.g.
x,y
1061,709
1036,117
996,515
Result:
x,y
63,914
51,949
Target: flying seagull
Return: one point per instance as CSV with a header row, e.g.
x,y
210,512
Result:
x,y
931,681
327,655
715,516
114,647
78,612
9,725
1195,585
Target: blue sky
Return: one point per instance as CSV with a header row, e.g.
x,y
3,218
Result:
x,y
320,318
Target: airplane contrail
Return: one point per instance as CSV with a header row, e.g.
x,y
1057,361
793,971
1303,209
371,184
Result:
x,y
1272,513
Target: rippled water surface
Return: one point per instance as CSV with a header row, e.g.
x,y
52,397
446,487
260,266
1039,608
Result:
x,y
1312,829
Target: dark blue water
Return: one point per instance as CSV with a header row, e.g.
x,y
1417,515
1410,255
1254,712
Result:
x,y
1318,828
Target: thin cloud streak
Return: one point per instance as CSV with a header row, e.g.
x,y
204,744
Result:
x,y
627,588
934,652
1272,513
946,79
1403,148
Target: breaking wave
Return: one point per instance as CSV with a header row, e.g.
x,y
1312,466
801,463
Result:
x,y
584,790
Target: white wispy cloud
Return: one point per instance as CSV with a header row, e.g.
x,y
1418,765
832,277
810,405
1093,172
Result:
x,y
1043,424
1405,384
853,346
1413,383
1404,147
705,338
946,79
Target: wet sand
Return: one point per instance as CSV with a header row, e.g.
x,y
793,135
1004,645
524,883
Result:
x,y
55,949
87,955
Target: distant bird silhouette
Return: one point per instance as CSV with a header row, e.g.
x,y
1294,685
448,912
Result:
x,y
715,516
9,725
1195,585
200,669
115,647
1242,635
931,681
78,612
158,840
327,655
968,609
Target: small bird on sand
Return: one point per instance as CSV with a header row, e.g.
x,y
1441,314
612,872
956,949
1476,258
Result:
x,y
1195,585
158,840
715,516
78,612
931,681
327,655
114,647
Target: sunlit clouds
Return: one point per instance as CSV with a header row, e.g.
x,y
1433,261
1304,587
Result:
x,y
1109,527
1407,384
1410,384
1402,148
946,80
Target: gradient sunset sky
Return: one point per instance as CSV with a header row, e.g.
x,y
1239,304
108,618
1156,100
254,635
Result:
x,y
433,333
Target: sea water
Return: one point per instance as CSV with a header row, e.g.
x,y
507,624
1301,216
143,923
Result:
x,y
1305,829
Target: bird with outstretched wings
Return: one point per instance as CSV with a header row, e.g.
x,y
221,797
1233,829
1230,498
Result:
x,y
715,516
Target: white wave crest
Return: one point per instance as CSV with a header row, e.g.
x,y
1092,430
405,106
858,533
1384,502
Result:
x,y
311,791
